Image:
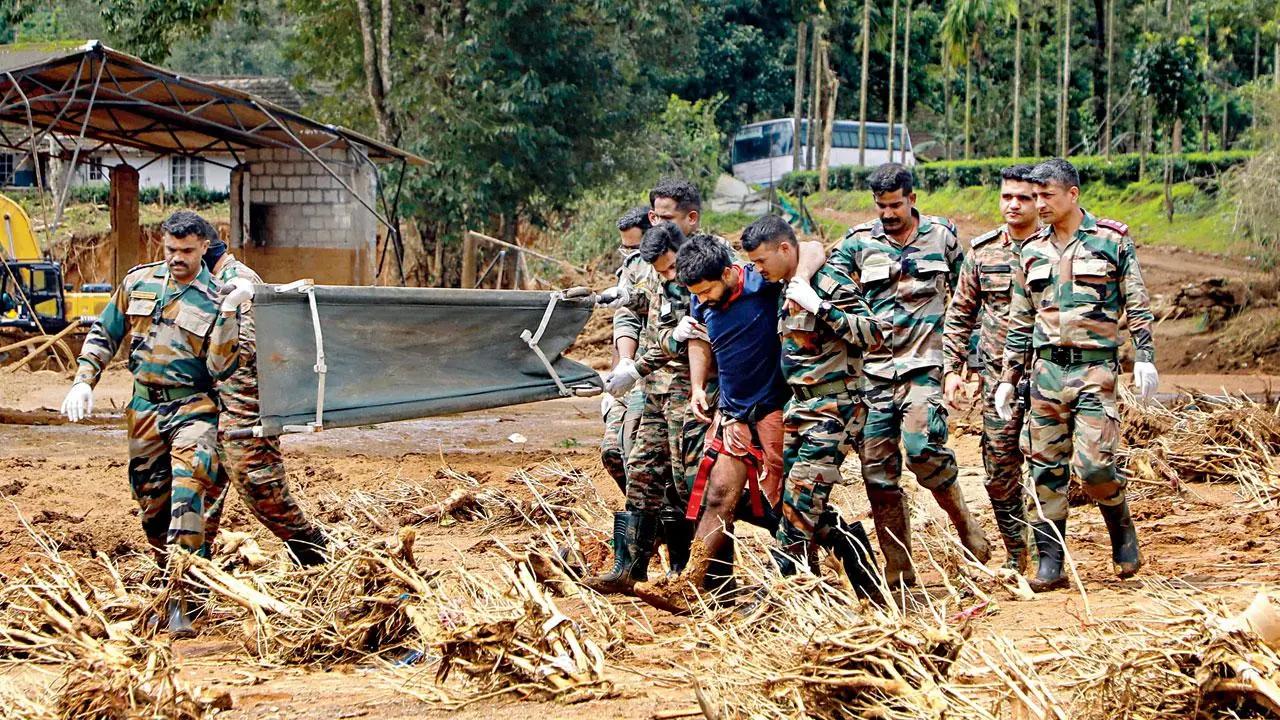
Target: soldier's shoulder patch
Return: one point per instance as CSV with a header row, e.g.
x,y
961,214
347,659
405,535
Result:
x,y
985,237
1114,225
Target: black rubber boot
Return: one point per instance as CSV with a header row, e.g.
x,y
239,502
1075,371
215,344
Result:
x,y
1050,575
185,606
1011,522
1124,538
306,549
784,560
852,547
633,543
678,533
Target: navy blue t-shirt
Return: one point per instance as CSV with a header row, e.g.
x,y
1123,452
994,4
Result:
x,y
748,352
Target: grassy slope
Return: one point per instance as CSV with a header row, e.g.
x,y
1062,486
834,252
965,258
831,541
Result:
x,y
1201,221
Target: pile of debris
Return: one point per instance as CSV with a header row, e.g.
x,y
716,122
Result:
x,y
1203,439
1213,299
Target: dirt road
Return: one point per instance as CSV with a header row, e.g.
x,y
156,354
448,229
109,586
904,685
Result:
x,y
69,481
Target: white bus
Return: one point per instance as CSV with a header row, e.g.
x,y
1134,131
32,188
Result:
x,y
762,150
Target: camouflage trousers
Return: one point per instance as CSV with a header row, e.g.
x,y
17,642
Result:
x,y
1075,428
663,461
1001,442
256,467
619,435
819,432
172,462
907,410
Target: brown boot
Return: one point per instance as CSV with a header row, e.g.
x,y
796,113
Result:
x,y
951,500
893,530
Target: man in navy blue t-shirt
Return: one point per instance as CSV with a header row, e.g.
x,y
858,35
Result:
x,y
739,311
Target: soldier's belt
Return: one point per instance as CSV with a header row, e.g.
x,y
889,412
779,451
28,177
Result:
x,y
154,395
1075,356
831,387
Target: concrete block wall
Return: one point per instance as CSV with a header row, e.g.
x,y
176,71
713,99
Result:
x,y
314,226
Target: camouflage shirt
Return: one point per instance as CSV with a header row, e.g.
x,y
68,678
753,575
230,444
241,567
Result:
x,y
632,319
827,346
907,288
668,304
981,299
1074,297
177,336
239,392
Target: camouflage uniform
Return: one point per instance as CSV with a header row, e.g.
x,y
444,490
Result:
x,y
907,289
822,362
623,419
179,346
981,300
254,465
1064,321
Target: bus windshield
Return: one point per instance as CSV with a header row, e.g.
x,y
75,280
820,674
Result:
x,y
762,141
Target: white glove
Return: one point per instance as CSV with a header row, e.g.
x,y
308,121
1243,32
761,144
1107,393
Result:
x,y
606,404
614,297
623,378
1004,401
79,402
689,329
241,292
803,294
1146,378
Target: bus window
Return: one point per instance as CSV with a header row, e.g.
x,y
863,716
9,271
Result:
x,y
762,141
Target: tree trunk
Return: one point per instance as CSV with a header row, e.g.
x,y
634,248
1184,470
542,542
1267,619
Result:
x,y
373,81
968,93
1146,138
1108,108
1276,64
815,90
1098,67
1017,79
1064,119
1257,47
829,118
946,102
866,74
906,67
893,65
820,112
384,70
802,40
1039,91
1204,99
1226,108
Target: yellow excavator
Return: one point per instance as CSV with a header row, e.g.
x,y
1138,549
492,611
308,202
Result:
x,y
36,308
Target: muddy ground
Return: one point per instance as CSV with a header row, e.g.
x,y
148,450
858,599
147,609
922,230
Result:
x,y
69,481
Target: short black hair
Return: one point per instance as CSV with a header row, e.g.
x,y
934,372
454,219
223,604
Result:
x,y
1056,170
682,191
184,223
768,229
1020,173
636,217
659,240
701,259
889,177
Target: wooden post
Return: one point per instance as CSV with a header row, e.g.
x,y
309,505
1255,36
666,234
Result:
x,y
468,261
126,231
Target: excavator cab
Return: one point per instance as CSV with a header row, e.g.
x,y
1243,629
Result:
x,y
31,297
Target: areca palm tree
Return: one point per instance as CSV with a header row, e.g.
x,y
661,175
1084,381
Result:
x,y
963,24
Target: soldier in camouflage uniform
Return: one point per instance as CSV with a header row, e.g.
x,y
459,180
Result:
x,y
822,346
1073,281
907,264
629,303
182,339
657,474
254,465
981,302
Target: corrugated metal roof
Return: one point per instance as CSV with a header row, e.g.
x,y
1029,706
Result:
x,y
115,98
